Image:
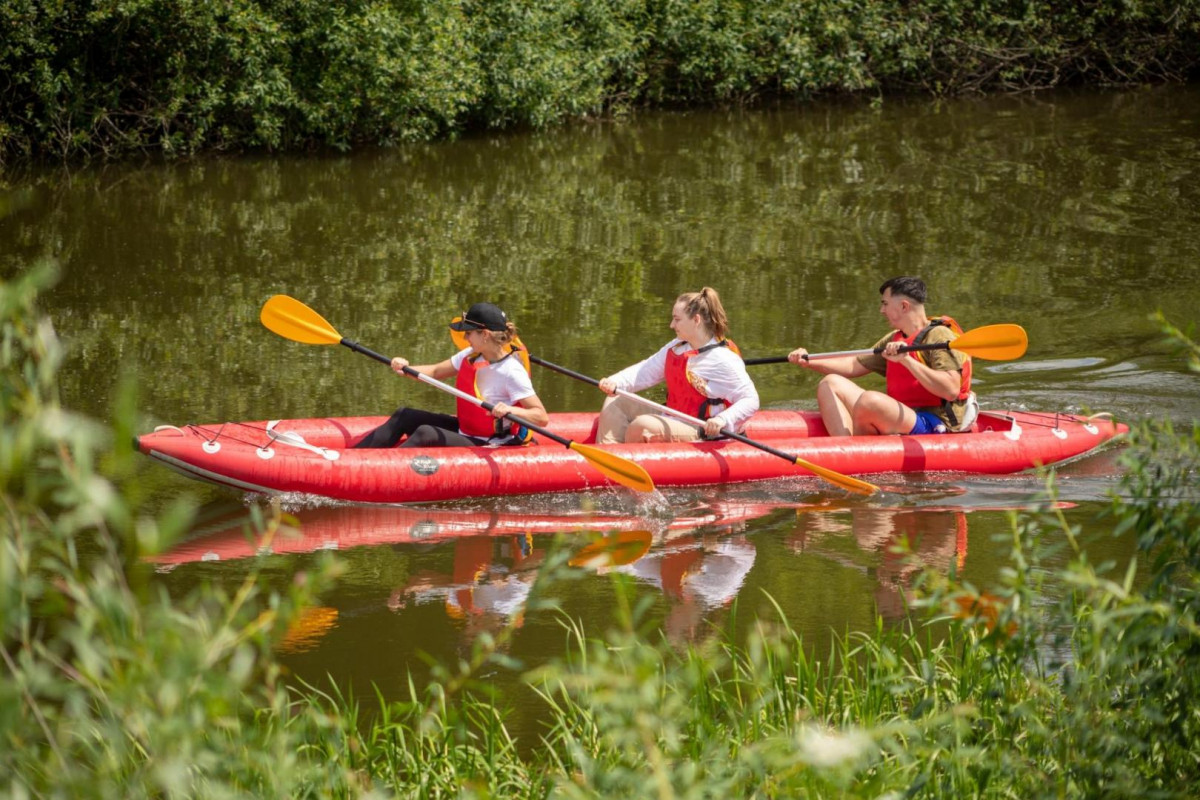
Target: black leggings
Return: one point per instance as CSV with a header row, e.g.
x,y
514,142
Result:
x,y
423,428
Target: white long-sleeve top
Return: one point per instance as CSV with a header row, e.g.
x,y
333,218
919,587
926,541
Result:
x,y
721,370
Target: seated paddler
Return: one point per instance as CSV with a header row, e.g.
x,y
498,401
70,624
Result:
x,y
492,367
704,374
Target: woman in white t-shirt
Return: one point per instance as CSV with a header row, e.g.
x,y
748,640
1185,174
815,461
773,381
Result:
x,y
490,368
705,378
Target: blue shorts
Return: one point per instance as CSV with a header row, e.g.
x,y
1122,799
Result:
x,y
928,422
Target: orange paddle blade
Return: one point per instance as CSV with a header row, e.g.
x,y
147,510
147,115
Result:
x,y
612,550
622,470
293,320
838,479
993,342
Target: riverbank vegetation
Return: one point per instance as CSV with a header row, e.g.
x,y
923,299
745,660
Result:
x,y
119,78
108,687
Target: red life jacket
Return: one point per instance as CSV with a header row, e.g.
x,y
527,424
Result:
x,y
473,420
681,395
902,385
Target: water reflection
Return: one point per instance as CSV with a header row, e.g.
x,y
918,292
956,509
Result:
x,y
485,588
473,568
453,573
890,546
697,574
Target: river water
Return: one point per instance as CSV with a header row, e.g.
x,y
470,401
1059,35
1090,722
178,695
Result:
x,y
1073,214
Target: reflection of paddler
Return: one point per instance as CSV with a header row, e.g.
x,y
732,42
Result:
x,y
477,583
710,573
935,536
904,540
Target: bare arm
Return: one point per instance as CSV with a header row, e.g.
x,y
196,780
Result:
x,y
846,366
529,409
440,370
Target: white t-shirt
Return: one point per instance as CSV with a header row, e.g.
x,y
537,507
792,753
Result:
x,y
506,381
720,368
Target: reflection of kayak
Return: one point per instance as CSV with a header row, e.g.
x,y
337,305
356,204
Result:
x,y
340,528
312,456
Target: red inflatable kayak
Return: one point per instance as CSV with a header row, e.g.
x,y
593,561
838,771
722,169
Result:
x,y
313,456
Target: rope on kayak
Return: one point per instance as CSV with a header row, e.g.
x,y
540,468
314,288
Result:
x,y
1087,423
296,440
211,445
264,451
1042,419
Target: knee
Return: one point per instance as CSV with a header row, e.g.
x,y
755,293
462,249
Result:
x,y
647,428
876,412
833,384
423,436
400,415
867,405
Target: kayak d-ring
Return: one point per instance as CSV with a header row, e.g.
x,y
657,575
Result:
x,y
1057,430
211,446
1090,426
265,453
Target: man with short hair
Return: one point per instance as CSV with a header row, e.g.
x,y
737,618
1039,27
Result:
x,y
927,391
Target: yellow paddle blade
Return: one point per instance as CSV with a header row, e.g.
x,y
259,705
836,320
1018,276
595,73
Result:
x,y
993,342
458,337
612,550
838,479
293,320
621,470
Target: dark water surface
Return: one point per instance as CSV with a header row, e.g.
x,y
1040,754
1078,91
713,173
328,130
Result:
x,y
1073,215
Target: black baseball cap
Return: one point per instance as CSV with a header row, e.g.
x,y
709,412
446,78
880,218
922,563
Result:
x,y
482,316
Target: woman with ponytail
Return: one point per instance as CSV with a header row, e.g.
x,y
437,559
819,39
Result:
x,y
704,374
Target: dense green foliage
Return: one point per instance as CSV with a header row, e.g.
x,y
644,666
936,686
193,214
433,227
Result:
x,y
110,688
178,76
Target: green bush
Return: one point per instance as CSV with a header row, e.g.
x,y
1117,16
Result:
x,y
181,76
108,687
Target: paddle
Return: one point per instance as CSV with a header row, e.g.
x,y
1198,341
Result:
x,y
991,343
293,320
612,550
836,478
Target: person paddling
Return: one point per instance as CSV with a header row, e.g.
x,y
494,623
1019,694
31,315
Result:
x,y
704,374
491,368
927,391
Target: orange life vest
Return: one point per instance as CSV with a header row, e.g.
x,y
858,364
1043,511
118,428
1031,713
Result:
x,y
474,420
902,385
681,394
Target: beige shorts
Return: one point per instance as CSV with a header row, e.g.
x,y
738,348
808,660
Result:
x,y
625,421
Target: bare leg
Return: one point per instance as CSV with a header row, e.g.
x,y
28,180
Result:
x,y
836,396
876,413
